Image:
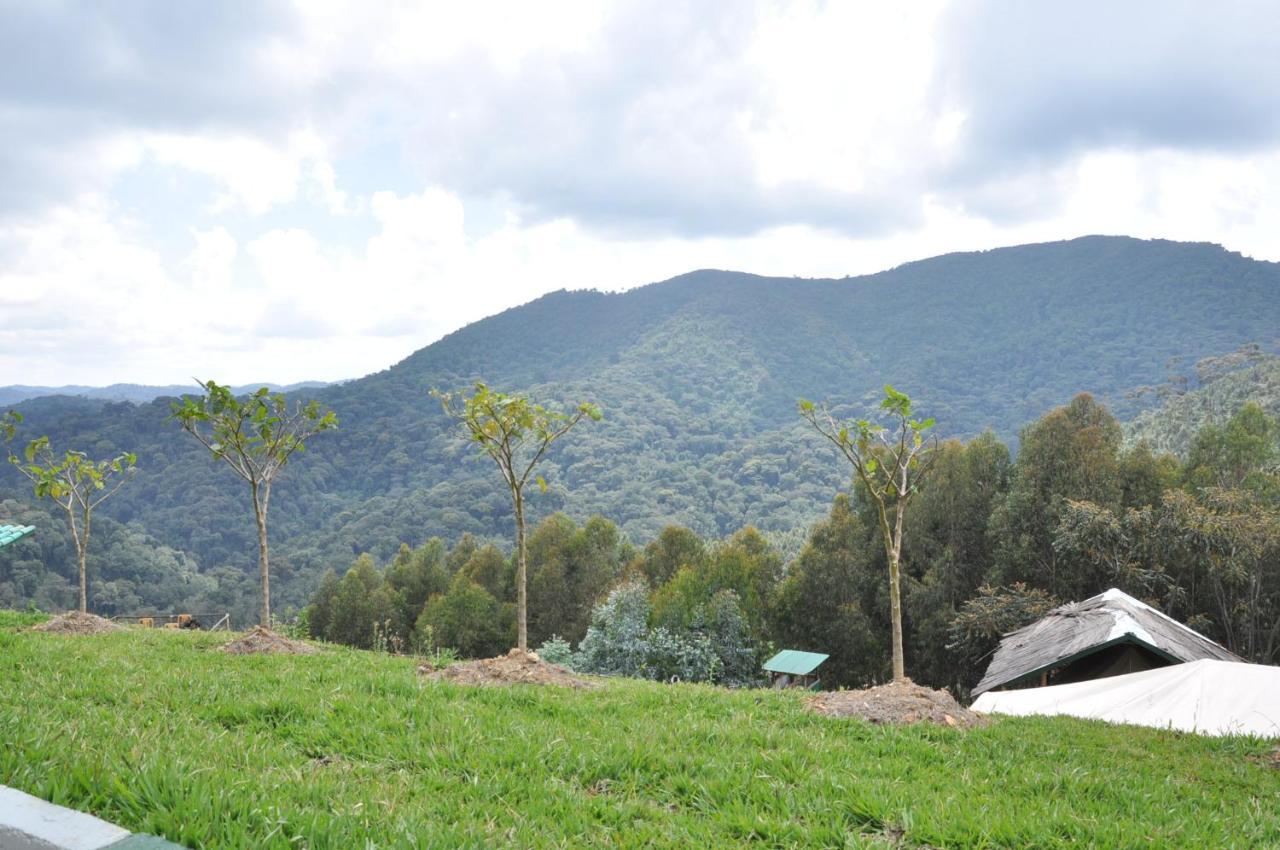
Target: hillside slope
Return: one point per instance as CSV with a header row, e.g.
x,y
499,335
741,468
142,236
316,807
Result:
x,y
1173,425
160,732
698,378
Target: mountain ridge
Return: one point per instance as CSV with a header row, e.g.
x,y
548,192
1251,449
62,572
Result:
x,y
136,393
698,377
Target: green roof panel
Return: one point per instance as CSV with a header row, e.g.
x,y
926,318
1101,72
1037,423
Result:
x,y
10,533
795,662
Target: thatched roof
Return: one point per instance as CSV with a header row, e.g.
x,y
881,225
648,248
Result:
x,y
1079,629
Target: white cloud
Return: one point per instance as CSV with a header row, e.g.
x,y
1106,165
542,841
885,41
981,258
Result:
x,y
251,173
382,174
211,263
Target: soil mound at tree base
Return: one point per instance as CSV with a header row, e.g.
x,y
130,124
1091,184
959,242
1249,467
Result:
x,y
263,641
901,702
514,668
75,623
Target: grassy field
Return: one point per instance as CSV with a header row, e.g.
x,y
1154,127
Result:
x,y
161,733
18,619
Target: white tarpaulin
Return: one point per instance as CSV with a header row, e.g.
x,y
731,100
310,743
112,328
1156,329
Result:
x,y
1210,697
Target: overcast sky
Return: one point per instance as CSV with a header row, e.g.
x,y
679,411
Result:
x,y
260,191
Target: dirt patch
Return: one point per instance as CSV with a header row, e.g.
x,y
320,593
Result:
x,y
1271,759
75,623
263,641
514,668
902,702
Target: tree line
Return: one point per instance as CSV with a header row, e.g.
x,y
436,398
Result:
x,y
988,544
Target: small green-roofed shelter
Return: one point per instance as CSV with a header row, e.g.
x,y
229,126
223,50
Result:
x,y
792,668
10,533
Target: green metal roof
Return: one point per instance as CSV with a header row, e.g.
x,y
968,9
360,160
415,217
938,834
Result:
x,y
795,662
10,533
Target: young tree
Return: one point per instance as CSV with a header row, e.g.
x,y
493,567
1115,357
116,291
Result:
x,y
256,437
9,425
516,433
891,463
78,485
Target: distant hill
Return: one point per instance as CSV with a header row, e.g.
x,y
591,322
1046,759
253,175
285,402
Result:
x,y
136,393
698,377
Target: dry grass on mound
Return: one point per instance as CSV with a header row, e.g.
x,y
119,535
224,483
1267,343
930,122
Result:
x,y
75,623
263,641
514,668
902,702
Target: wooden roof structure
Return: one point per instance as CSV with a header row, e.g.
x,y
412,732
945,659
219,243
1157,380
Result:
x,y
1071,632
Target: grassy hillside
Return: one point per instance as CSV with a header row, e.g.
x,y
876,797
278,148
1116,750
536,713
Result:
x,y
161,733
698,378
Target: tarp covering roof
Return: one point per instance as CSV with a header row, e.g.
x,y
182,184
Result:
x,y
1209,697
1073,631
10,533
794,662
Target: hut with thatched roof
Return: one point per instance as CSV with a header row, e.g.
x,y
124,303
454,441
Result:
x,y
1106,635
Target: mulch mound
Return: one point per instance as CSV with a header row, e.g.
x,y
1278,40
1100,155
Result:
x,y
902,702
263,641
75,623
514,668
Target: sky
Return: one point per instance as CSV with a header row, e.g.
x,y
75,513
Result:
x,y
256,190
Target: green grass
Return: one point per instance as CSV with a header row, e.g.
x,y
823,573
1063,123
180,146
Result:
x,y
20,619
161,733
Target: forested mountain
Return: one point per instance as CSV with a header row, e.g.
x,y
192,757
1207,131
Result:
x,y
698,378
136,393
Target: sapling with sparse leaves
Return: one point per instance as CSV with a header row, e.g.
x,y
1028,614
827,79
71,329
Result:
x,y
76,483
515,433
256,436
9,425
891,463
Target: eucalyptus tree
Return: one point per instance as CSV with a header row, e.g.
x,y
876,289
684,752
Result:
x,y
515,433
891,463
256,436
77,484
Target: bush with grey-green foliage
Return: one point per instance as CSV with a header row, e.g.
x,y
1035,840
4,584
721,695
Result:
x,y
616,643
726,627
556,650
675,657
620,642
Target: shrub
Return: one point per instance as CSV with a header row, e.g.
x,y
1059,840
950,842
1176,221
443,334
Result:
x,y
556,650
620,642
616,643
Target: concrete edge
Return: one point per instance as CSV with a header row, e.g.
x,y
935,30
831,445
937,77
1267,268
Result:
x,y
29,823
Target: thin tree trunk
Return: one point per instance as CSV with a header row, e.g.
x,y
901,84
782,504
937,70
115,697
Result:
x,y
84,569
260,514
895,594
522,598
82,544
